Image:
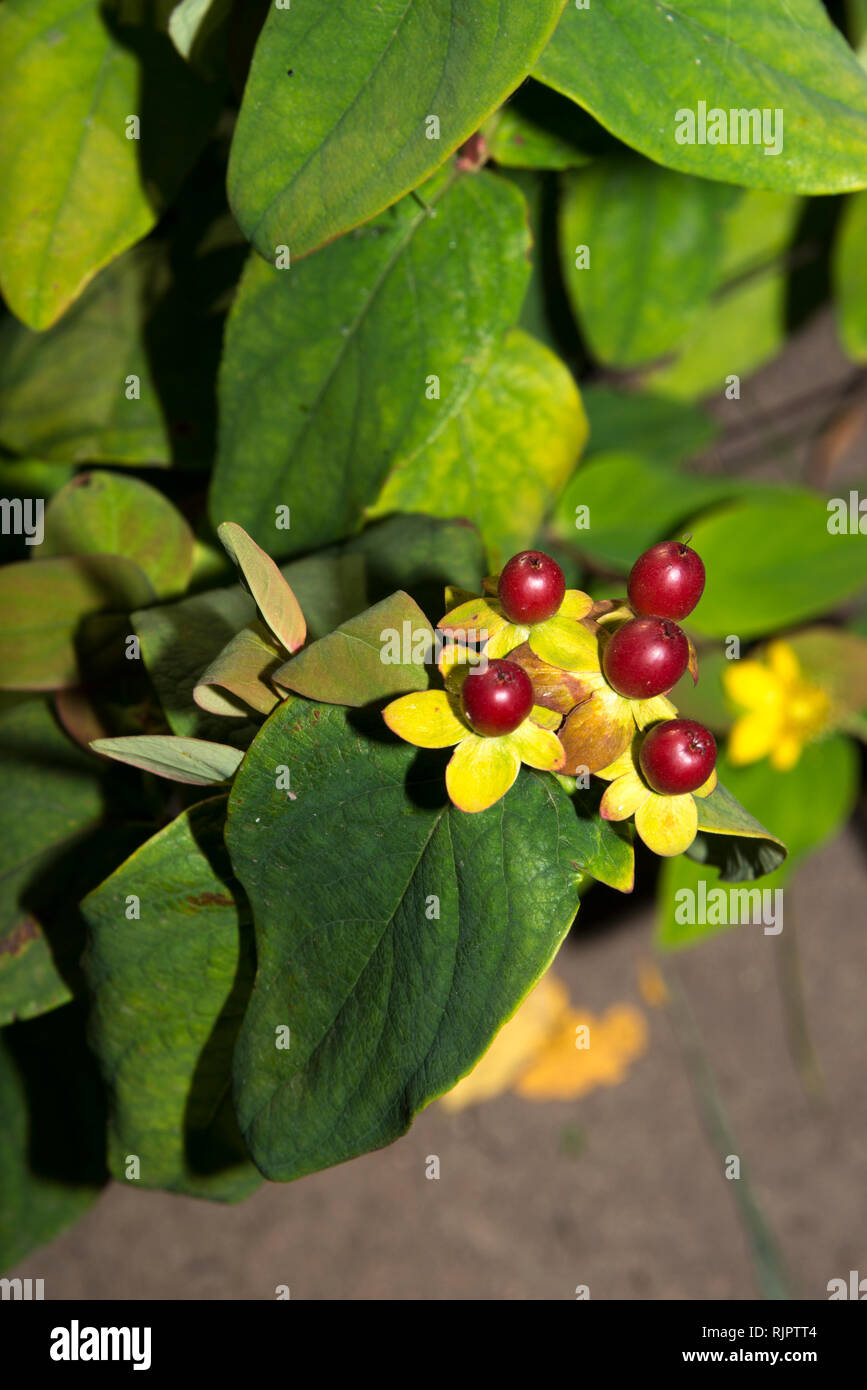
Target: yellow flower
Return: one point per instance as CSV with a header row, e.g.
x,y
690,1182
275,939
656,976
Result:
x,y
481,770
483,621
551,1051
667,824
785,710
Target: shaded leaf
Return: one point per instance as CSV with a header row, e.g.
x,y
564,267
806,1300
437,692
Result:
x,y
850,277
167,1064
238,680
42,604
104,513
192,760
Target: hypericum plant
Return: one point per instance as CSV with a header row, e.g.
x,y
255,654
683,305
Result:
x,y
379,347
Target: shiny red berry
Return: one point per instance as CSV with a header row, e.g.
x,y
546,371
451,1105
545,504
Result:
x,y
645,657
497,700
677,756
667,580
531,587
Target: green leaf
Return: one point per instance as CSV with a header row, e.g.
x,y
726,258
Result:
x,y
192,760
421,555
806,805
661,430
850,277
359,356
771,561
636,66
42,604
311,154
239,679
540,130
167,1063
52,1166
655,242
104,513
388,1003
745,325
193,24
381,652
64,394
633,501
277,605
503,460
733,839
607,852
71,203
51,797
837,660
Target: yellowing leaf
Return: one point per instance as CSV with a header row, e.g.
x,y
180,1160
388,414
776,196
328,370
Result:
x,y
564,1069
273,597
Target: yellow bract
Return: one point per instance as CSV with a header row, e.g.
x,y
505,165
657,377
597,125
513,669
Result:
x,y
482,620
667,824
785,710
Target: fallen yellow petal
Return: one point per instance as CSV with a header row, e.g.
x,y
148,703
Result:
x,y
564,1071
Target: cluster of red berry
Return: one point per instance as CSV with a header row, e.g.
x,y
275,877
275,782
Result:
x,y
643,658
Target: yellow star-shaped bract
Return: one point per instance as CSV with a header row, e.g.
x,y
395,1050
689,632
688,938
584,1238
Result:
x,y
666,824
785,710
481,770
561,636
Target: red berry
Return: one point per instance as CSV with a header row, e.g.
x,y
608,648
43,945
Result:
x,y
531,587
667,580
645,657
677,756
497,700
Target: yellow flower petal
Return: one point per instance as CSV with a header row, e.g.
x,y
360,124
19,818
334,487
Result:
x,y
517,1043
651,711
546,718
782,661
751,737
750,684
786,753
480,772
566,643
667,824
707,787
623,797
505,640
537,747
426,718
619,768
476,619
575,604
563,1070
597,731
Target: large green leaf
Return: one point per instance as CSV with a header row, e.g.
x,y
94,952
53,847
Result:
x,y
806,806
850,277
395,935
52,1164
358,357
42,605
169,990
107,514
659,429
636,65
504,458
771,561
336,121
67,394
71,202
655,241
731,838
